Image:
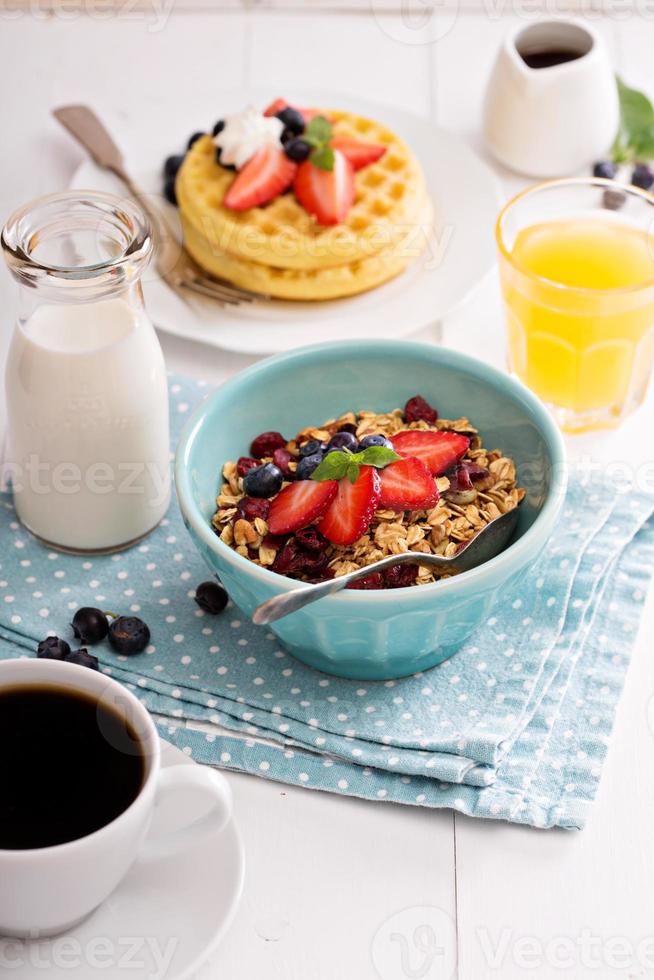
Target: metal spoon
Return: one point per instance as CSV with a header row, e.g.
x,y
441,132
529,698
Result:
x,y
485,545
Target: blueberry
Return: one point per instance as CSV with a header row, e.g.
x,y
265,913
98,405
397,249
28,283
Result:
x,y
614,199
606,169
172,165
129,634
296,149
169,191
193,139
218,128
307,465
312,447
212,597
292,119
369,441
343,440
642,176
83,659
90,625
263,481
52,648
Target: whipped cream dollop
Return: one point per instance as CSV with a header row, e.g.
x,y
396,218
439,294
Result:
x,y
245,133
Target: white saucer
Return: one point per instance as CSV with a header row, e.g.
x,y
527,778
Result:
x,y
466,198
163,921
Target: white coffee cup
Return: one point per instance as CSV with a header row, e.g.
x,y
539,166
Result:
x,y
551,122
45,891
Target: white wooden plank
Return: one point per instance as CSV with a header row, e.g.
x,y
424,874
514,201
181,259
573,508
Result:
x,y
615,9
324,875
367,56
552,904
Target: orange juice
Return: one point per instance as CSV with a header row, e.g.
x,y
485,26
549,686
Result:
x,y
579,295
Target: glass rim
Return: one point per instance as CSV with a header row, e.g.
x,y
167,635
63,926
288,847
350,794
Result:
x,y
544,185
137,247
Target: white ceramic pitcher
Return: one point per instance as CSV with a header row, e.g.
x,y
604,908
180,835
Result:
x,y
551,121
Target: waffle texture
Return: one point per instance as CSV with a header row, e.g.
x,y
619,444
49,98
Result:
x,y
282,250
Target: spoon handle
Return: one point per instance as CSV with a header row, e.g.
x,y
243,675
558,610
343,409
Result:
x,y
283,605
289,602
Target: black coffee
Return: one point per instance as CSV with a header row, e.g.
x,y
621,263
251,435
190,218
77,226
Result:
x,y
68,766
549,58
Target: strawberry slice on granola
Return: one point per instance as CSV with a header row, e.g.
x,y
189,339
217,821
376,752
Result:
x,y
299,504
407,485
351,510
437,450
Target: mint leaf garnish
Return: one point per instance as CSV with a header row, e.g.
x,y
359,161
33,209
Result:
x,y
635,138
318,132
333,467
323,158
377,456
340,463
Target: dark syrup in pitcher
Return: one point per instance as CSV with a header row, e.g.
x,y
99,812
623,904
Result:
x,y
549,58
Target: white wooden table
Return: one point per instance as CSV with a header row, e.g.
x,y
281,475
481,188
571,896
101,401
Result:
x,y
331,880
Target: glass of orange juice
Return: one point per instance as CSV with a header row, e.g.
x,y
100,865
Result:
x,y
577,276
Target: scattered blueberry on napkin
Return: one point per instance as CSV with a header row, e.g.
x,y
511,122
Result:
x,y
515,726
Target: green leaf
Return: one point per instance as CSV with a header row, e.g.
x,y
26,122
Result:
x,y
318,132
635,137
323,158
333,467
378,456
342,463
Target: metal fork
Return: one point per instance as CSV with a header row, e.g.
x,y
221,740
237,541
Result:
x,y
174,264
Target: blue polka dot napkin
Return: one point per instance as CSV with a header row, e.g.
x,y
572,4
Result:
x,y
515,726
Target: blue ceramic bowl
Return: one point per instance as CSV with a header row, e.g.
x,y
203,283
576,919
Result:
x,y
383,634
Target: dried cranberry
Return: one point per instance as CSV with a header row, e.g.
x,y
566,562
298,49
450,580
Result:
x,y
250,507
373,581
419,410
459,478
348,427
311,539
285,557
267,443
281,459
399,576
273,541
245,464
323,576
293,559
476,472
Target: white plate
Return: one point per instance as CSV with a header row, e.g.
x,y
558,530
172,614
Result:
x,y
466,198
163,921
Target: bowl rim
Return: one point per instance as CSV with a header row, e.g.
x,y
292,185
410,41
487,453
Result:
x,y
518,550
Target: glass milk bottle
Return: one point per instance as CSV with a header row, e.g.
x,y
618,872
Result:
x,y
87,403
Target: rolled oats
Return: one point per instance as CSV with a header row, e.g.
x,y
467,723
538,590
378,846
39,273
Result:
x,y
456,518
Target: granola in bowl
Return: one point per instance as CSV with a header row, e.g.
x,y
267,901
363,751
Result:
x,y
344,494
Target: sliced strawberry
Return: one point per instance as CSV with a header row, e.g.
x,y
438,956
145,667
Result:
x,y
407,485
326,194
266,175
276,106
352,509
298,504
359,154
437,450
